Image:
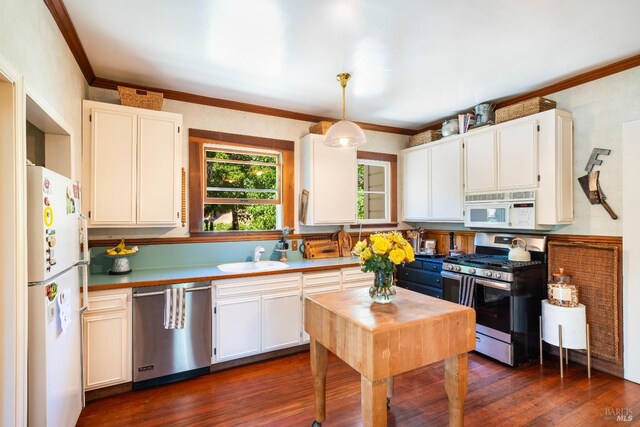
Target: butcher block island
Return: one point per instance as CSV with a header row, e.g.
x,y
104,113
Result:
x,y
383,340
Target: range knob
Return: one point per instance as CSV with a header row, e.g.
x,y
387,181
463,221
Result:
x,y
448,266
488,273
497,275
457,268
472,271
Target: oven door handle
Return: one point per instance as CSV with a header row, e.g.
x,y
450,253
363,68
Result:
x,y
453,276
496,285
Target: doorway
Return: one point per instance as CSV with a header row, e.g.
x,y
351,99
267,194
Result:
x,y
13,268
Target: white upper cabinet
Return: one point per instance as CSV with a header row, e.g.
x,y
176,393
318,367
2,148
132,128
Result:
x,y
480,162
502,158
517,153
113,164
416,194
159,153
131,164
532,153
554,204
446,181
330,176
433,179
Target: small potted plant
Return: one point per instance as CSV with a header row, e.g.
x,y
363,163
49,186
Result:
x,y
380,255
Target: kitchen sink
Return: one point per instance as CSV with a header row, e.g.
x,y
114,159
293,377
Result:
x,y
248,267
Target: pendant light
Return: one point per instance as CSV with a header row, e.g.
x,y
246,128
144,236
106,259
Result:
x,y
344,133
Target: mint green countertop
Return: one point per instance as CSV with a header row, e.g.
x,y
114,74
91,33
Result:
x,y
170,275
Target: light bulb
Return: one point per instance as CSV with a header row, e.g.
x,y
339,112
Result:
x,y
344,141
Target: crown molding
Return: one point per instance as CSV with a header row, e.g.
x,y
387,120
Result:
x,y
61,16
241,106
576,80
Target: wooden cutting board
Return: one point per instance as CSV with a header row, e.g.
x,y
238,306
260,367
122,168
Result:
x,y
314,249
344,242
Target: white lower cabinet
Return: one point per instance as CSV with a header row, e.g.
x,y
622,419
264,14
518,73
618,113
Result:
x,y
317,283
255,315
354,277
281,320
238,327
106,339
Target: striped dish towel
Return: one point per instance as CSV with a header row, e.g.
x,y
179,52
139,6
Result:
x,y
174,308
467,295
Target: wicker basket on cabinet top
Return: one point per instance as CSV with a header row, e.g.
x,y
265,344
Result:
x,y
524,108
140,98
424,137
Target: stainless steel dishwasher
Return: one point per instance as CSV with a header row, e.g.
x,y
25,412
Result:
x,y
166,355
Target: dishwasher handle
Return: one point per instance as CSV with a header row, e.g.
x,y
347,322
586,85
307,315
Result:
x,y
149,294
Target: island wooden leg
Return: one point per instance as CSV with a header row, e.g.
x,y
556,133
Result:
x,y
455,382
319,371
373,402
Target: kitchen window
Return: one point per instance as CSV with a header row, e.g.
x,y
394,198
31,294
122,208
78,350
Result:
x,y
239,186
242,189
376,204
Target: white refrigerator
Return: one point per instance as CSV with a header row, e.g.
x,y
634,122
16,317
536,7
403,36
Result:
x,y
58,257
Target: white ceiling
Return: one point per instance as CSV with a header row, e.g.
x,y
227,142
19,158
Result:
x,y
412,61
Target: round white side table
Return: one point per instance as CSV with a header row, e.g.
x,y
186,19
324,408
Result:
x,y
565,327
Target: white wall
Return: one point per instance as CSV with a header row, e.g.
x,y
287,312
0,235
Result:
x,y
599,108
32,44
231,121
31,41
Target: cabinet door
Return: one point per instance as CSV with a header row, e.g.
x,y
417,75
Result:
x,y
446,181
415,196
480,162
113,166
281,326
237,328
158,171
518,156
107,349
334,186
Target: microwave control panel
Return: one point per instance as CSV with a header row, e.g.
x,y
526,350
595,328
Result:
x,y
523,215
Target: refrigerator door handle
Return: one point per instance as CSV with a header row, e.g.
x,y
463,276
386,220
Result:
x,y
84,241
84,277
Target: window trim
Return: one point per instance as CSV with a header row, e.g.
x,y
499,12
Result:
x,y
197,139
386,165
393,188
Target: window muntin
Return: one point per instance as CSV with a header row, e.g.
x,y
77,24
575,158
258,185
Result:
x,y
373,205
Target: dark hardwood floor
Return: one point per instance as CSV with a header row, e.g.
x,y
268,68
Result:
x,y
279,392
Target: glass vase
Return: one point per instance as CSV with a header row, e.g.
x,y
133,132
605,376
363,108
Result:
x,y
383,290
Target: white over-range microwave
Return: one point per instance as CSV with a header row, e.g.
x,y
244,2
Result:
x,y
508,210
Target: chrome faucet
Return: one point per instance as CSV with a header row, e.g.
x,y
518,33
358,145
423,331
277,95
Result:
x,y
259,250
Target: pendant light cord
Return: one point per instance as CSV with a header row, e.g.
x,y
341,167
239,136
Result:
x,y
343,78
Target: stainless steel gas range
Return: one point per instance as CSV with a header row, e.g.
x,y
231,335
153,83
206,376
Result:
x,y
506,294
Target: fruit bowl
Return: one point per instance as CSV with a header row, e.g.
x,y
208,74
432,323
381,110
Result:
x,y
120,263
120,256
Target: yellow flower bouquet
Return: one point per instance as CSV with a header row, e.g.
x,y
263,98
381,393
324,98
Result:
x,y
380,255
